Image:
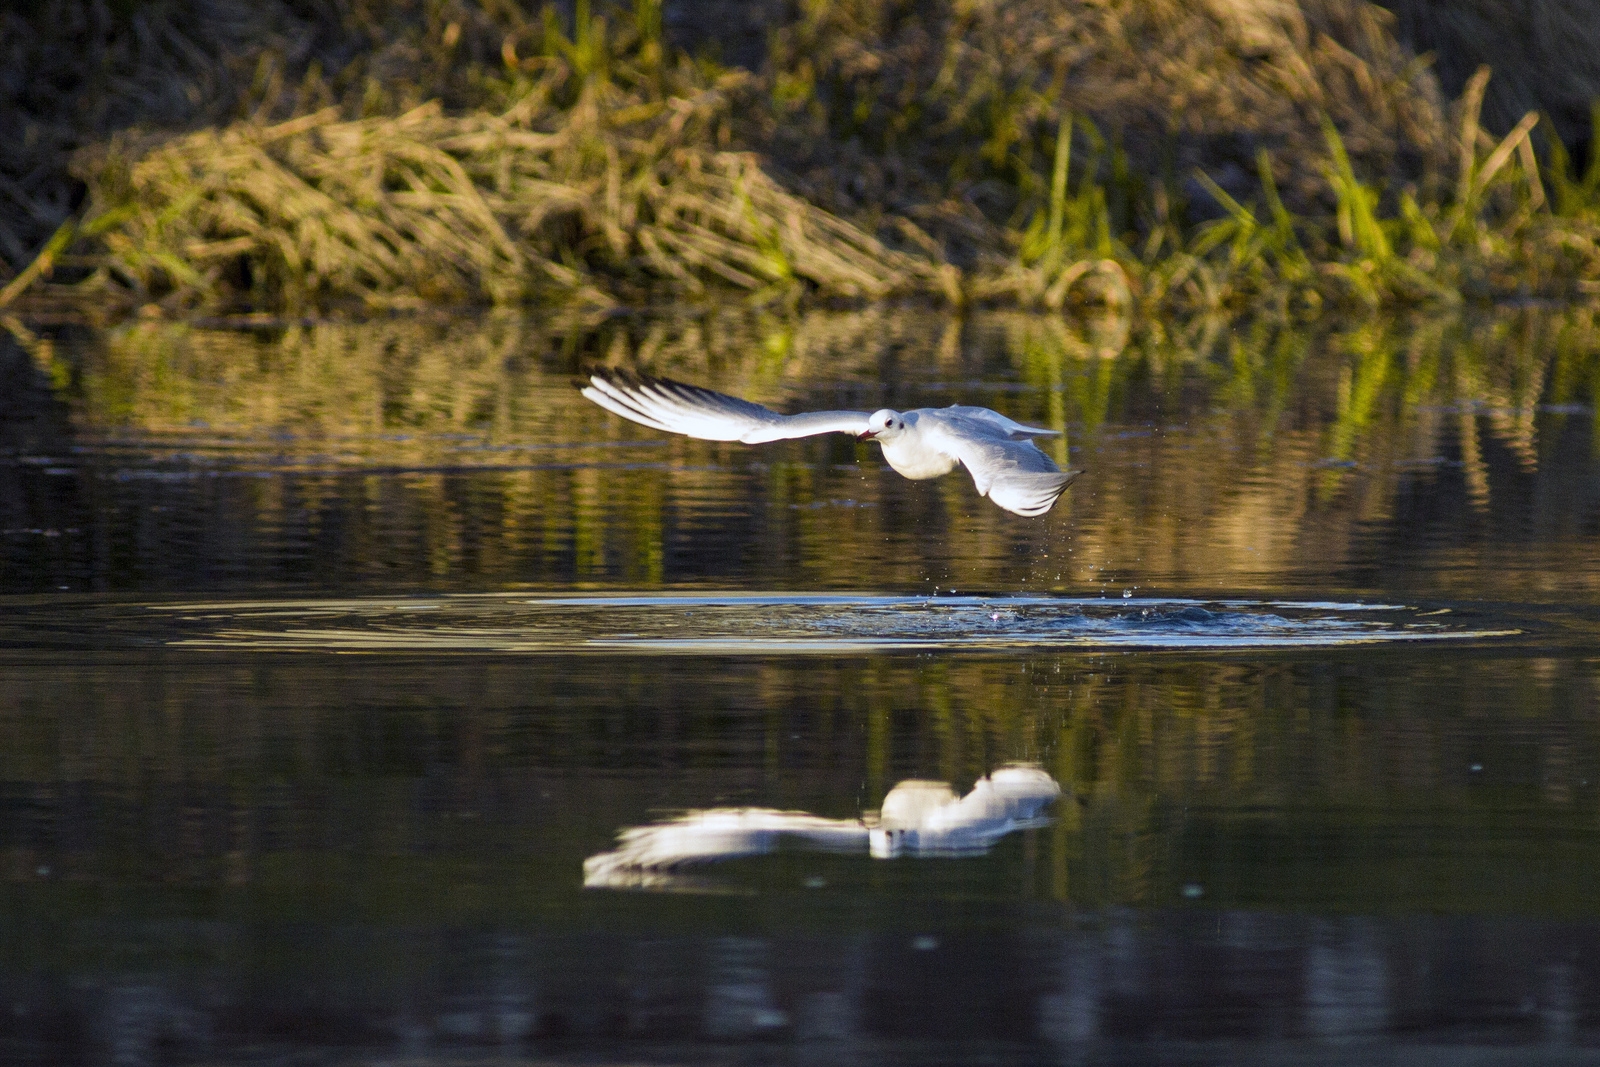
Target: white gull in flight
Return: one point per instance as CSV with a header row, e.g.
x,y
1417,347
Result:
x,y
1005,464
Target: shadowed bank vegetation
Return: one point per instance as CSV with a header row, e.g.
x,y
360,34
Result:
x,y
1146,154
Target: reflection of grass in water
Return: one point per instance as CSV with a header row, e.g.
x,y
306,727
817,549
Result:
x,y
326,381
1274,445
385,379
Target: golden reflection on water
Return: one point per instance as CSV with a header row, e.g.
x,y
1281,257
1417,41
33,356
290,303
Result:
x,y
223,768
442,782
1220,456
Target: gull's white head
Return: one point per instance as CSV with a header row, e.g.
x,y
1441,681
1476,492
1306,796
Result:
x,y
883,424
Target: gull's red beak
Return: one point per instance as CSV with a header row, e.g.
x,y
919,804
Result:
x,y
866,435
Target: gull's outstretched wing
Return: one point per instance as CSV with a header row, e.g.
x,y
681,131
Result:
x,y
1010,427
645,852
1012,473
664,404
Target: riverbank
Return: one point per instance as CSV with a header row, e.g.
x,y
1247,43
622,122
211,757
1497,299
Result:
x,y
1150,156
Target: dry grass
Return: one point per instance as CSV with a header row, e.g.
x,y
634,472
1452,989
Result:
x,y
959,104
585,188
1064,152
78,72
1149,155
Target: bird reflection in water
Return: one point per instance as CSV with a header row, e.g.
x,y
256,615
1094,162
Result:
x,y
918,818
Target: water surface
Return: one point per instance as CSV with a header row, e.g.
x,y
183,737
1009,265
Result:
x,y
329,654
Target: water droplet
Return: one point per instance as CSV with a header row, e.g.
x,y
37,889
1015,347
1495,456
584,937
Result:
x,y
815,881
924,943
1192,891
1477,767
1127,594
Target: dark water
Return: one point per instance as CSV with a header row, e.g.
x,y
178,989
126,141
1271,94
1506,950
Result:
x,y
329,654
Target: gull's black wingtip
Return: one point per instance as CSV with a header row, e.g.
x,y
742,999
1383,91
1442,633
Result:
x,y
625,377
587,374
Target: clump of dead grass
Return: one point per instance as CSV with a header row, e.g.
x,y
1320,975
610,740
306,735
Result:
x,y
1147,155
1158,155
608,198
953,109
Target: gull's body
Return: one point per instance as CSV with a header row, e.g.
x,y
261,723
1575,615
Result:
x,y
1005,464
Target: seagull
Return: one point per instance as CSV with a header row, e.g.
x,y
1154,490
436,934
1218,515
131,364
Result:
x,y
1005,464
918,818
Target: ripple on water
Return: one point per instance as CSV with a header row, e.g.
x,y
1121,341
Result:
x,y
733,624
